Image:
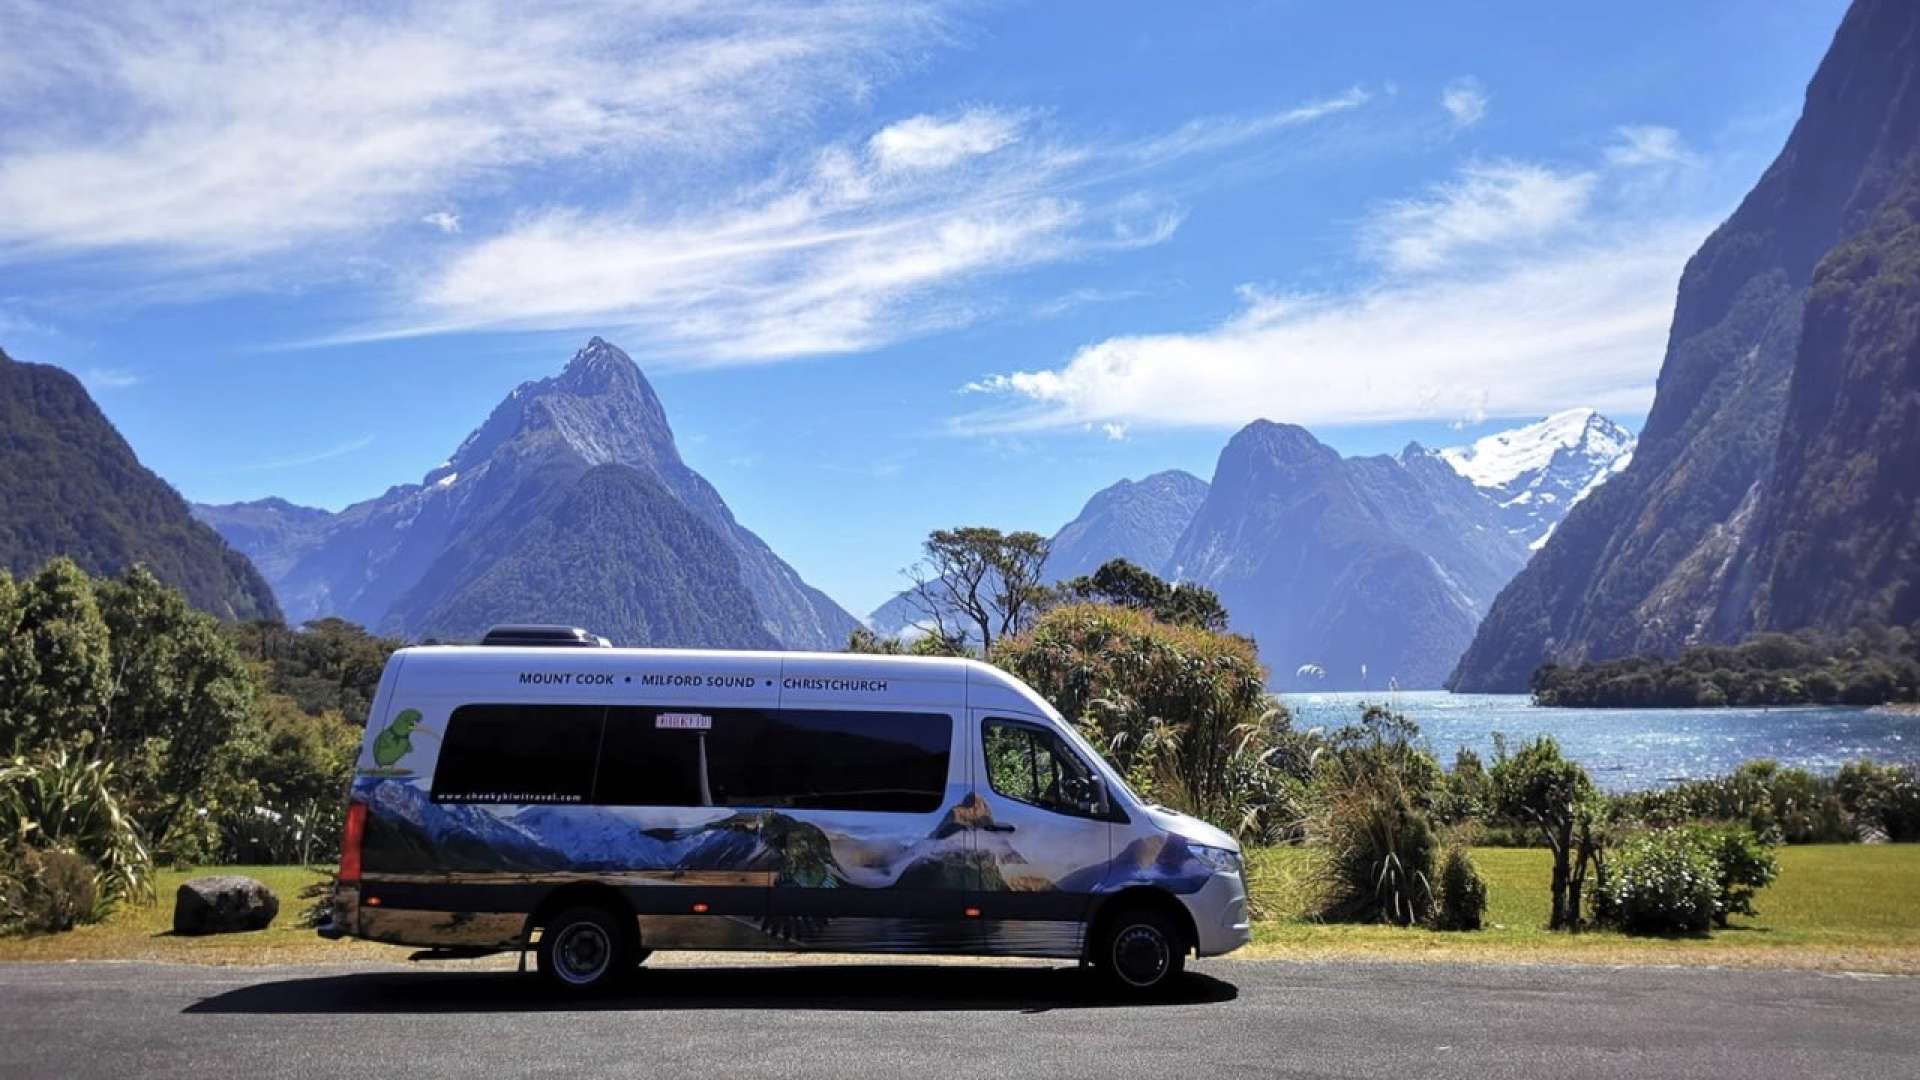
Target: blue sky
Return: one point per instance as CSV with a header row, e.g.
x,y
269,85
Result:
x,y
891,266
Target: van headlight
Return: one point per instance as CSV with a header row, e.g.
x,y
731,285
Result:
x,y
1220,860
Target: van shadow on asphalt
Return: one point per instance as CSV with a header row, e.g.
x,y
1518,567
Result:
x,y
875,988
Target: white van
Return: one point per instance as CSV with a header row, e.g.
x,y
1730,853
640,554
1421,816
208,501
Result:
x,y
596,804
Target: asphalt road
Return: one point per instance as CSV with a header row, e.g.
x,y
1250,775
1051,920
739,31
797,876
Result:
x,y
1231,1019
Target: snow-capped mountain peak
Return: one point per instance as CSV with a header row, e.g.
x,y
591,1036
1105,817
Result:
x,y
1504,457
1536,473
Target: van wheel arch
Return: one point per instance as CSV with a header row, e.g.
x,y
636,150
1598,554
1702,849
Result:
x,y
585,894
1136,898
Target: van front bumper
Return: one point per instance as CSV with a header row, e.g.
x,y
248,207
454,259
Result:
x,y
1219,911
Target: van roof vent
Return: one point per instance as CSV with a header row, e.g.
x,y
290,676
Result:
x,y
564,637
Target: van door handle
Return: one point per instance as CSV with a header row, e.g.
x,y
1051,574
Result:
x,y
995,826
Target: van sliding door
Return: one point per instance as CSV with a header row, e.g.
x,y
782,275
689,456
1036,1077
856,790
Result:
x,y
871,855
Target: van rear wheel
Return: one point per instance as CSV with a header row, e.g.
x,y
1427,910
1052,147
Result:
x,y
584,950
1140,951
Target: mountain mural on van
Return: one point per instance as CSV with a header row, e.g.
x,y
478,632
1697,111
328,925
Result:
x,y
409,835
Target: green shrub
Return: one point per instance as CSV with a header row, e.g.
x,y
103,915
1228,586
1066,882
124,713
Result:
x,y
1661,882
1788,805
59,802
1743,866
47,892
1885,798
1463,895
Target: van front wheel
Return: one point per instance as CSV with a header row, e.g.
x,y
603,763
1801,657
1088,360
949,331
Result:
x,y
583,950
1141,951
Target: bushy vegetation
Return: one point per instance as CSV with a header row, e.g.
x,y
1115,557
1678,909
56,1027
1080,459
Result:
x,y
1120,582
1862,801
136,728
1660,882
1463,893
1372,820
1881,798
1684,879
1868,666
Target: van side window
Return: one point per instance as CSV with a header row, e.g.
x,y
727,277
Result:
x,y
519,754
680,755
1029,765
821,759
814,759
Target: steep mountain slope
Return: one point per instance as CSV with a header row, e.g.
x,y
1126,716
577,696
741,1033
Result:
x,y
1139,521
1371,569
406,561
1656,558
1838,539
614,550
1536,473
70,485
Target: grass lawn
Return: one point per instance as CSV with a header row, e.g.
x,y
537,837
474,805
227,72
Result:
x,y
1843,906
1851,907
146,932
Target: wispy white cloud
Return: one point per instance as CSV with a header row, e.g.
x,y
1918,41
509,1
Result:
x,y
930,142
1465,101
1515,289
1079,298
862,243
1114,431
1640,145
106,379
1491,205
653,168
340,450
156,128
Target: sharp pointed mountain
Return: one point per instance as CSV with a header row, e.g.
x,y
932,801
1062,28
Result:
x,y
70,485
1536,473
1373,569
482,537
1773,483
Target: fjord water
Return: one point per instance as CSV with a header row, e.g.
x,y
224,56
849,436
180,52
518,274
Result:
x,y
1631,749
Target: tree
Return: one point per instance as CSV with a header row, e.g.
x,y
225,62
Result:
x,y
1118,581
979,584
863,640
1540,788
180,694
55,662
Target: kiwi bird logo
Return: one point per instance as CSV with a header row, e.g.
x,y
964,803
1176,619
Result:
x,y
396,741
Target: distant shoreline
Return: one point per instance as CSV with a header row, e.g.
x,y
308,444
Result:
x,y
1897,708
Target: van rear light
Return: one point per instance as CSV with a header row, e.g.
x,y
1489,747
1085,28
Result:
x,y
350,841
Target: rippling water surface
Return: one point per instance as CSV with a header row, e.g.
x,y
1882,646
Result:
x,y
1627,749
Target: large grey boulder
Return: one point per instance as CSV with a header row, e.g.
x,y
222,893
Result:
x,y
223,904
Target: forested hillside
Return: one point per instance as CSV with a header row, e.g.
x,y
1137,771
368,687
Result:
x,y
70,485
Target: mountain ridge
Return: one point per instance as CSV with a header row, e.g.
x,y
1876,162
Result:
x,y
393,561
71,485
1661,556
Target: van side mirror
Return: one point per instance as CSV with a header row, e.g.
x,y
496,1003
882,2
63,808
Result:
x,y
1086,794
1098,804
